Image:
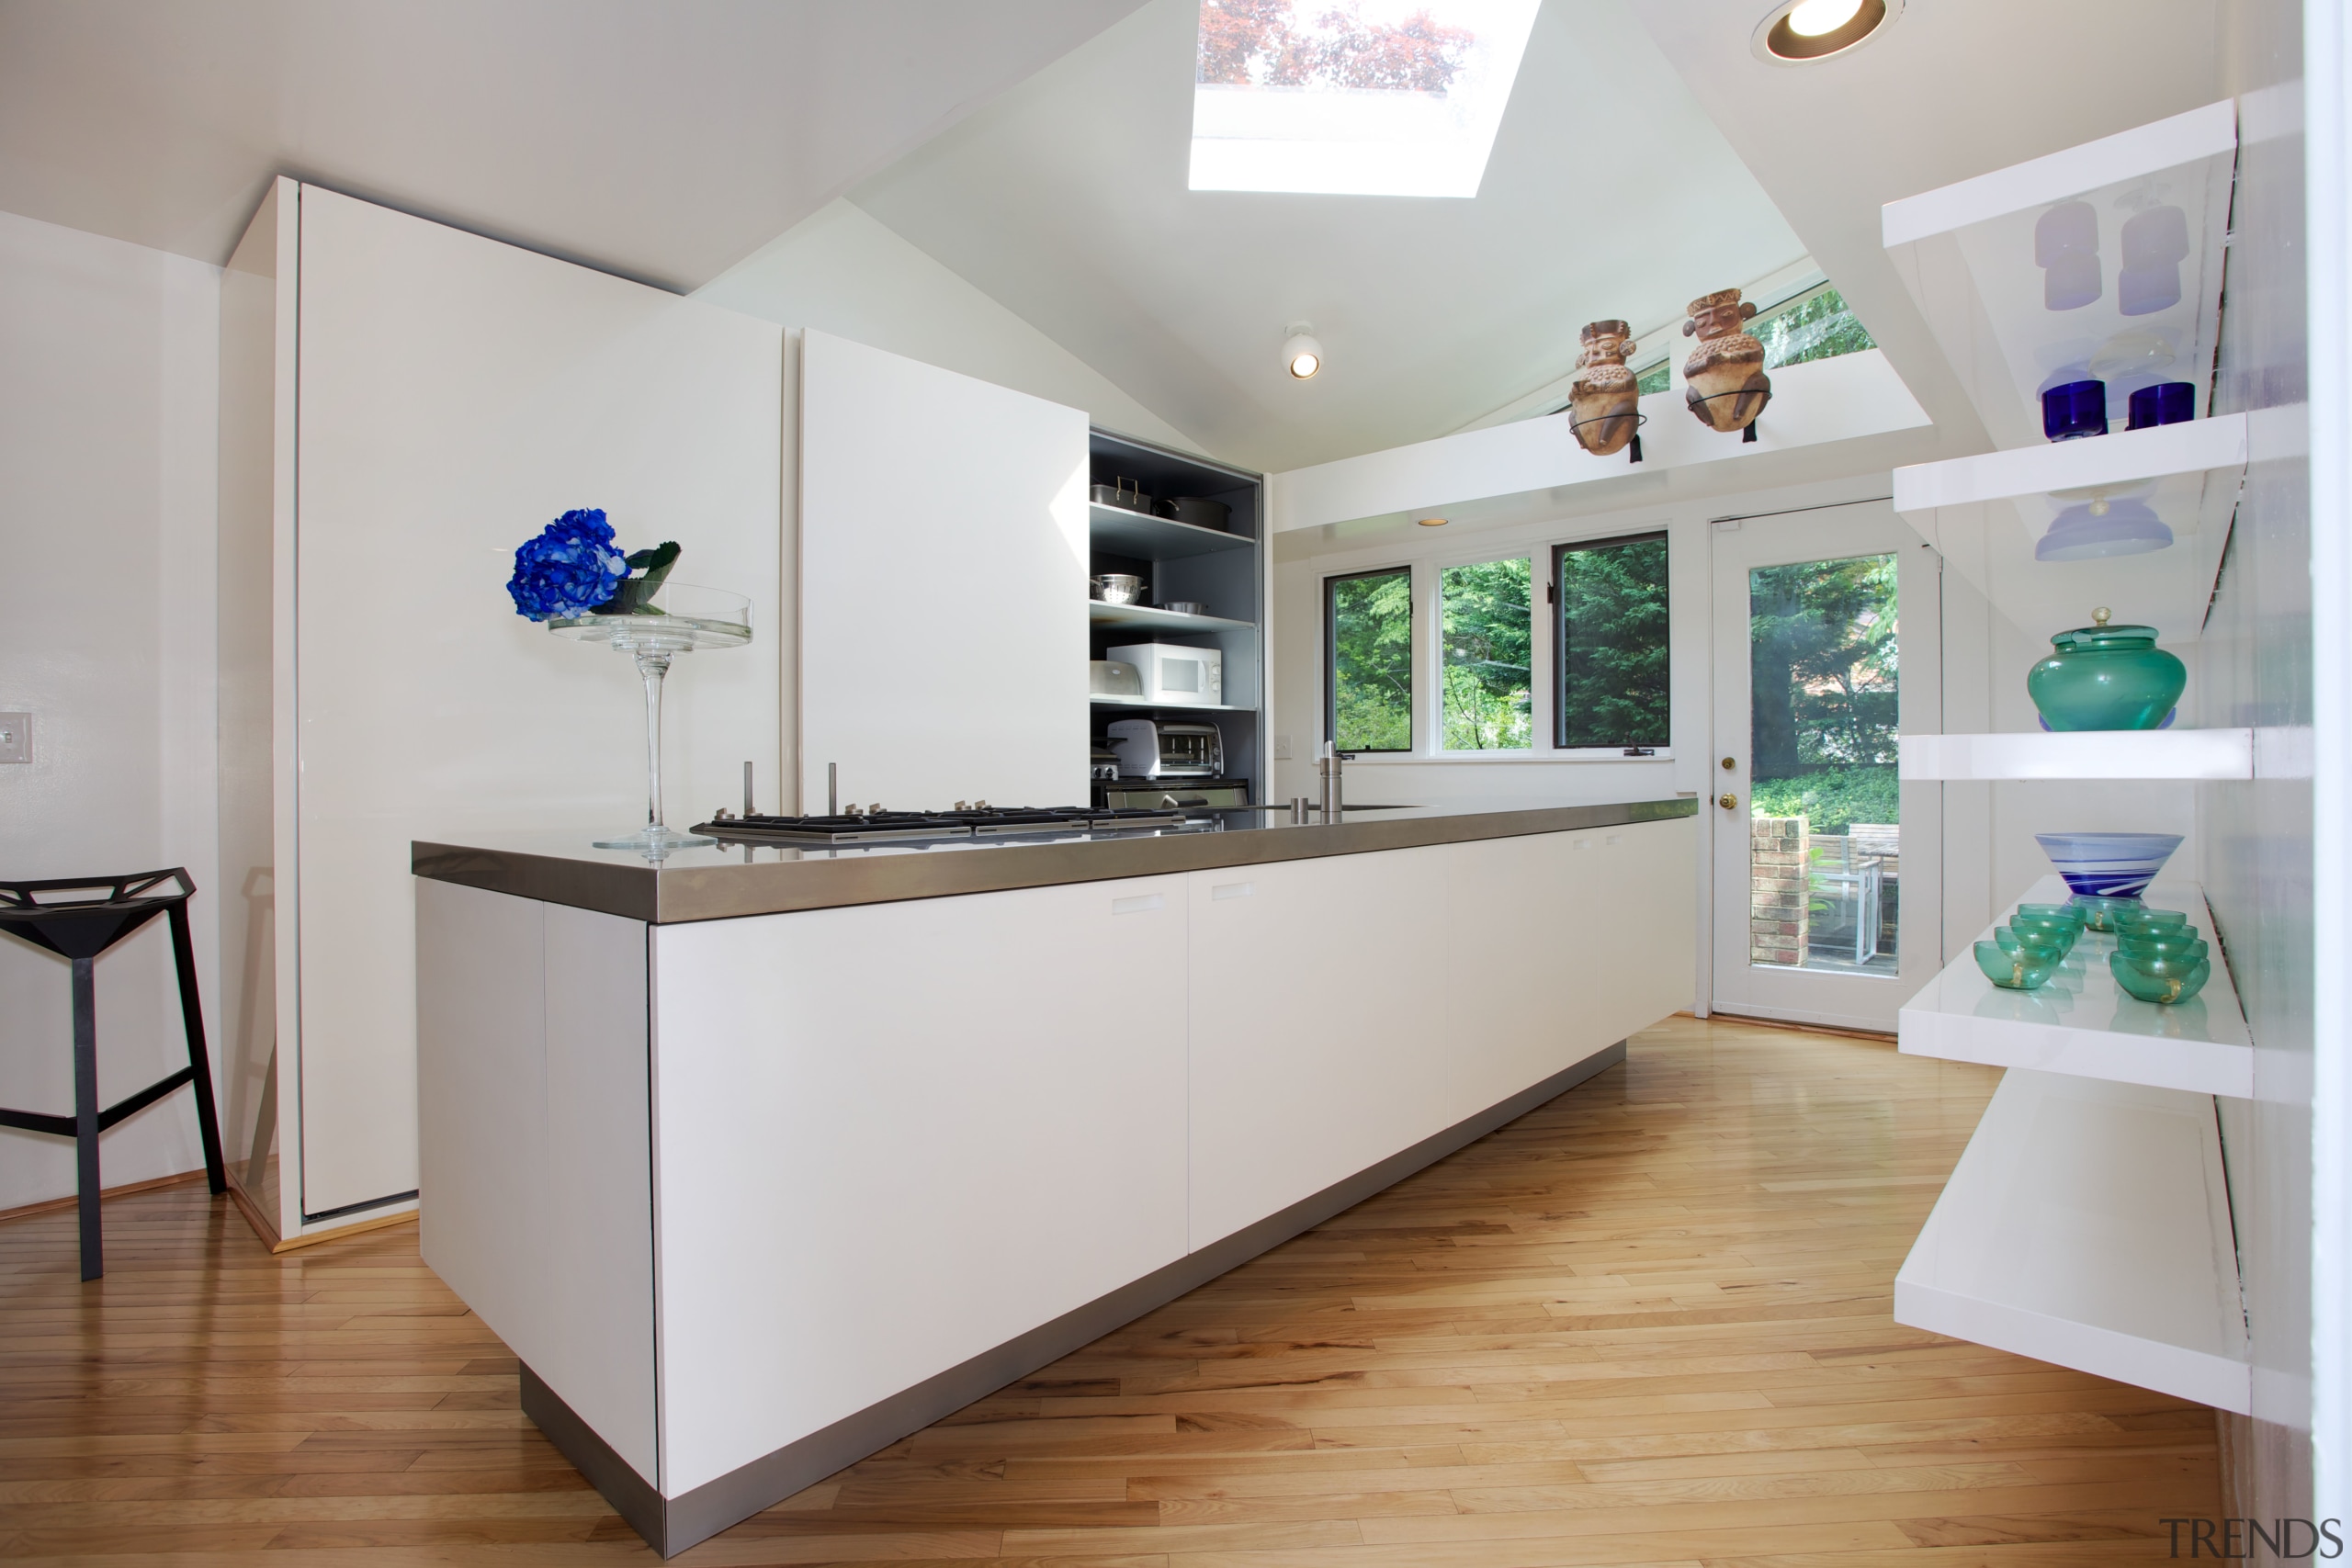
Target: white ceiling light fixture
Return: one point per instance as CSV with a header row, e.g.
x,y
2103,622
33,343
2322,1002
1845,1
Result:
x,y
1385,97
1302,354
1799,32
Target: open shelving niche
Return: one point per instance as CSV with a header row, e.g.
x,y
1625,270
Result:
x,y
1967,254
1224,568
2087,1224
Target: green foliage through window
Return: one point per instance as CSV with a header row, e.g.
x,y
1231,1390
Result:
x,y
1822,649
1485,701
1657,379
1833,799
1613,643
1818,325
1368,622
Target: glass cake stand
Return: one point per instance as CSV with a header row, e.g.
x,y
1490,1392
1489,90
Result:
x,y
677,617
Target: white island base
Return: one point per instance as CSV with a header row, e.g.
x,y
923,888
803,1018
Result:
x,y
751,1198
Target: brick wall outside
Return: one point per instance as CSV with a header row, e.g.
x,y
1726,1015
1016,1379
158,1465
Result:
x,y
1776,923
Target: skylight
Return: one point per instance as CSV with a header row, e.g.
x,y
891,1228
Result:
x,y
1352,98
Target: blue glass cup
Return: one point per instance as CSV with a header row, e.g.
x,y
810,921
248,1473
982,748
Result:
x,y
2167,402
2074,408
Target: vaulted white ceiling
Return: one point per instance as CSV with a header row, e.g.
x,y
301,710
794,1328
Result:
x,y
1610,194
665,141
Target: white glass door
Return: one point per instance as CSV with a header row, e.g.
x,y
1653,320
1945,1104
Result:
x,y
1827,870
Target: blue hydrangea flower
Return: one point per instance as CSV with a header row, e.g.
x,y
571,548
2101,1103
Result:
x,y
570,568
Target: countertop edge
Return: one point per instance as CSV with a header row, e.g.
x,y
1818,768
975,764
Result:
x,y
686,893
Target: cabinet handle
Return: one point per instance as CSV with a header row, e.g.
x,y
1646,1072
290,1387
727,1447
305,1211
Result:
x,y
1235,890
1141,904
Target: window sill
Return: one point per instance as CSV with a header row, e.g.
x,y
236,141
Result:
x,y
1423,759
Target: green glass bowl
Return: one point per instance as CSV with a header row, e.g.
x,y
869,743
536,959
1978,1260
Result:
x,y
2024,922
2143,950
2163,989
2066,914
2169,966
2100,914
2019,971
2038,942
2146,918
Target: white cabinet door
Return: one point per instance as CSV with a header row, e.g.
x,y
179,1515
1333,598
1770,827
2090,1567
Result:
x,y
1560,944
456,395
892,1137
1345,1008
1319,1041
943,585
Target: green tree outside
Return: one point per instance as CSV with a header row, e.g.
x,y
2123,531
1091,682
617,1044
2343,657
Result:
x,y
1824,682
1371,621
1485,697
1613,632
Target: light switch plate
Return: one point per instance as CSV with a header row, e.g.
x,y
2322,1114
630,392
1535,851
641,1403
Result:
x,y
1281,747
16,738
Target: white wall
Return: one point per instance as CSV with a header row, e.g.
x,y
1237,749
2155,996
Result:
x,y
842,271
108,388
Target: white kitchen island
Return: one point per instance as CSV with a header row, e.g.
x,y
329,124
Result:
x,y
762,1159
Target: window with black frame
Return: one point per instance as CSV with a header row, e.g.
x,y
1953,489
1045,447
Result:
x,y
1368,661
1609,599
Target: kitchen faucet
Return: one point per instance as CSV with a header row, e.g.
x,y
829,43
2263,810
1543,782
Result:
x,y
1329,766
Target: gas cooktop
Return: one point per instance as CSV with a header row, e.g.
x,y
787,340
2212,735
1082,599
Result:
x,y
905,827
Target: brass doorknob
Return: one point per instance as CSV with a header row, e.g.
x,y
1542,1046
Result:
x,y
1729,802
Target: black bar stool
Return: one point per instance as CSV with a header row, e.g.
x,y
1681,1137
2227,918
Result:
x,y
80,928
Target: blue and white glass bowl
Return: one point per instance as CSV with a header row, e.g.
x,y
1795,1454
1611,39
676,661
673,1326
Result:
x,y
2108,865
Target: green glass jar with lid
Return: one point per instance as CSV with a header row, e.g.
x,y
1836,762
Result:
x,y
2106,677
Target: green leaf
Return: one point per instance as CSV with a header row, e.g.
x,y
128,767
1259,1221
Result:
x,y
655,564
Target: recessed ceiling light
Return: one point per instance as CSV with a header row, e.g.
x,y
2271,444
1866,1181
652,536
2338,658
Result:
x,y
1302,355
1798,32
1430,522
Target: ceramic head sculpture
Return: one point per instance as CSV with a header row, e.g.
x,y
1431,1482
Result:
x,y
1604,400
1727,387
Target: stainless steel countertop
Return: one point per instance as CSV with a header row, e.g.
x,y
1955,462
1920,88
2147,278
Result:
x,y
730,881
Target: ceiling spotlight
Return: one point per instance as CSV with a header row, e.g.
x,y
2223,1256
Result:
x,y
1430,522
1302,355
1798,32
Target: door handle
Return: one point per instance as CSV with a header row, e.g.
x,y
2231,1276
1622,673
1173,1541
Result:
x,y
1729,802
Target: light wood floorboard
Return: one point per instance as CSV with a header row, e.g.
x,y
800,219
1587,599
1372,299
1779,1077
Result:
x,y
1647,1323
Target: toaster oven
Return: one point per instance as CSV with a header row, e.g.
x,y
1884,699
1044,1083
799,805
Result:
x,y
1166,748
1173,675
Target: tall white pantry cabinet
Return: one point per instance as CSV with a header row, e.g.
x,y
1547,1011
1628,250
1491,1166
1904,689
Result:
x,y
402,403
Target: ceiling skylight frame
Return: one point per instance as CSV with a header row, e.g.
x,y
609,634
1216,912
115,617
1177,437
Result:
x,y
1290,111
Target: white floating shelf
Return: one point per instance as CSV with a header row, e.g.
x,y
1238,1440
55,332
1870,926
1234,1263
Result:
x,y
1985,515
1101,614
2088,1224
2081,755
1099,700
1966,253
2082,1022
1133,534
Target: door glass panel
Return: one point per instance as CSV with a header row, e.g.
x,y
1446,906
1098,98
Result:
x,y
1823,833
1485,698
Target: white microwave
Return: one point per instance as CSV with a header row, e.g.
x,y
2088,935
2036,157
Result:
x,y
1174,676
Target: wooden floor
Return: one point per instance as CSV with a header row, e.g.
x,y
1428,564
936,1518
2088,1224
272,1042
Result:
x,y
1646,1324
